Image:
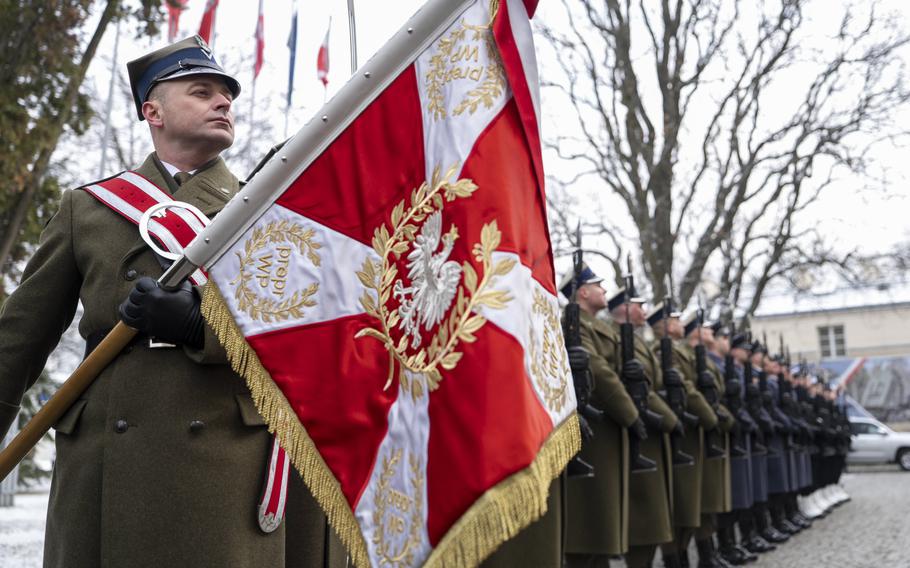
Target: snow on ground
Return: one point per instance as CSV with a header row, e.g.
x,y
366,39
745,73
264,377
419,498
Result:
x,y
22,531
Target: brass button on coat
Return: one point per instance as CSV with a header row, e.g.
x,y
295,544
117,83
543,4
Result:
x,y
121,426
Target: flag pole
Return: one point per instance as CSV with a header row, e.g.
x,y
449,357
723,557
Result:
x,y
105,141
352,29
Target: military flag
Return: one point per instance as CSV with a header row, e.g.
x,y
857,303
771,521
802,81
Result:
x,y
387,291
292,48
174,8
207,25
322,58
260,42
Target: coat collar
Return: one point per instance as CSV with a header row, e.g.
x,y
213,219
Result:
x,y
210,188
598,324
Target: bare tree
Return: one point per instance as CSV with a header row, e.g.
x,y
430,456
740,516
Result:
x,y
679,114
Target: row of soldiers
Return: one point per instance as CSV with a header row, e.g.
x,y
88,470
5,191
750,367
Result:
x,y
698,433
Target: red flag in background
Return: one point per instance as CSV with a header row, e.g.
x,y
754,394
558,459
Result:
x,y
322,59
174,7
260,42
207,25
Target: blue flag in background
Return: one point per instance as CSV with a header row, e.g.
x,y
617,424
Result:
x,y
292,46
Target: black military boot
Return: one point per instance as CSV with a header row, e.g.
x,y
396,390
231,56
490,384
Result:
x,y
780,521
766,530
751,539
707,555
730,551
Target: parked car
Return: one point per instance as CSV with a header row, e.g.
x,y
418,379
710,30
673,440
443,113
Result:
x,y
873,442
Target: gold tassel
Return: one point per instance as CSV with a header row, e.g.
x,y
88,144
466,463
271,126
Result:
x,y
500,514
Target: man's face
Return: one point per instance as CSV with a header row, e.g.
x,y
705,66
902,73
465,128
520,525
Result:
x,y
740,354
638,315
675,328
193,111
722,344
593,296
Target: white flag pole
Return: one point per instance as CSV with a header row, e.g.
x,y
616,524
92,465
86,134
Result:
x,y
105,140
352,30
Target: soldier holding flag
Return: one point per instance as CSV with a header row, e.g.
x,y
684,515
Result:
x,y
161,461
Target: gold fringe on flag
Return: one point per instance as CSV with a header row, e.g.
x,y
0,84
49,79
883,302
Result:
x,y
500,514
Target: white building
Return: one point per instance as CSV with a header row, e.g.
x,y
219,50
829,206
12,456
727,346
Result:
x,y
843,323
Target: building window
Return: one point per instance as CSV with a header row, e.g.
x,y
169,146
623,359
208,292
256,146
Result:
x,y
831,341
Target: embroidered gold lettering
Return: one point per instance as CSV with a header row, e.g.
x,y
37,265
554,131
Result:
x,y
264,269
469,52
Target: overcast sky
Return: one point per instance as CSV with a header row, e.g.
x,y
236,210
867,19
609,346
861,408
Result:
x,y
857,218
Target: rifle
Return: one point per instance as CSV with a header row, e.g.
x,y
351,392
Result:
x,y
704,382
754,404
673,385
581,372
634,381
733,395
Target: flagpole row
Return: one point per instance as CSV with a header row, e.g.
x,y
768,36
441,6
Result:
x,y
105,142
352,28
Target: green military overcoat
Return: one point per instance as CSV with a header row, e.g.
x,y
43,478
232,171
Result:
x,y
133,484
687,480
716,496
651,493
598,507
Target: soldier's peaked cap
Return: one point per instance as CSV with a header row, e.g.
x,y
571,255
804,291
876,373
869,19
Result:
x,y
657,314
586,276
619,298
690,324
740,340
190,56
720,329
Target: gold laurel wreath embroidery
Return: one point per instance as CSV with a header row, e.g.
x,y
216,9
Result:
x,y
550,363
267,309
494,76
405,556
461,323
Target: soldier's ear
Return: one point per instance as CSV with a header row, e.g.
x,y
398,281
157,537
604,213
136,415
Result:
x,y
151,110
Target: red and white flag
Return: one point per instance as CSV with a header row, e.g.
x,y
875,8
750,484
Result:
x,y
395,314
207,25
174,7
322,58
260,42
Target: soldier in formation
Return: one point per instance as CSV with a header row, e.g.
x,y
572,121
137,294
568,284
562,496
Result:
x,y
705,432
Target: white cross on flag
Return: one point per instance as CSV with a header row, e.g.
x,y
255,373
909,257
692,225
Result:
x,y
394,311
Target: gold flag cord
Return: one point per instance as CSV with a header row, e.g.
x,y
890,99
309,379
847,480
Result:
x,y
500,514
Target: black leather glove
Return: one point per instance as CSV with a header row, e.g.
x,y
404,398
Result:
x,y
172,316
745,419
638,430
579,360
633,371
586,432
